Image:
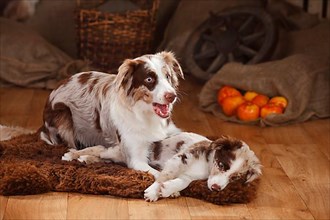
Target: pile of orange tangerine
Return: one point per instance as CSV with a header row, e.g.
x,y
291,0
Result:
x,y
250,105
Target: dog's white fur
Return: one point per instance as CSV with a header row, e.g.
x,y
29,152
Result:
x,y
131,109
186,157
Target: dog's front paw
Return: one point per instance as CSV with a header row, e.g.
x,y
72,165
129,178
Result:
x,y
175,195
71,155
151,194
167,190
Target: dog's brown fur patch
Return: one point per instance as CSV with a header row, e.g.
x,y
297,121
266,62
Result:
x,y
156,150
200,148
142,93
224,150
178,146
92,85
59,115
83,78
97,120
139,76
183,158
105,90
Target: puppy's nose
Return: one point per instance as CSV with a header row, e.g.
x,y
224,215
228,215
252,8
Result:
x,y
215,187
170,97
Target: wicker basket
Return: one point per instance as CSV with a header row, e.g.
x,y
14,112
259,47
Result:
x,y
106,39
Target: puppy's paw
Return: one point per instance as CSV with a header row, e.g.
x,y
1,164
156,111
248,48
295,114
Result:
x,y
175,195
151,194
88,159
167,190
71,155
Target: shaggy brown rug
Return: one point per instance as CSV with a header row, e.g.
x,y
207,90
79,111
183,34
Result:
x,y
29,166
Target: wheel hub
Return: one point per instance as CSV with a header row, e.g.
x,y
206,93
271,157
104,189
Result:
x,y
226,41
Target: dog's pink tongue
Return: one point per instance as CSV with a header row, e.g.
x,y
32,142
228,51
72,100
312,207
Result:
x,y
161,110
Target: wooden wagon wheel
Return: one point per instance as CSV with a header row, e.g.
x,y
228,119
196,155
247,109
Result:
x,y
242,34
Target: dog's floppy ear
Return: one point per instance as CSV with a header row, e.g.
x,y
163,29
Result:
x,y
227,143
254,172
169,58
125,71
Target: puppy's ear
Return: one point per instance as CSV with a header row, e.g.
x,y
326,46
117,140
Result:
x,y
169,58
254,172
125,72
227,143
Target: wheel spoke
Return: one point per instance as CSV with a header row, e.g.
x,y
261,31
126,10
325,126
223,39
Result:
x,y
216,63
246,24
231,57
246,50
206,54
252,37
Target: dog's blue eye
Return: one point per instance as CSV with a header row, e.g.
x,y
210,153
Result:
x,y
149,79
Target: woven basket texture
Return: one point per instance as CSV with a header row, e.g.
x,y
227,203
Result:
x,y
107,39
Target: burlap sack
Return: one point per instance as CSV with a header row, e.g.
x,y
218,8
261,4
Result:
x,y
303,77
304,84
27,59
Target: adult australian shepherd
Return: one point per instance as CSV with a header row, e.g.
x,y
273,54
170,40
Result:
x,y
132,108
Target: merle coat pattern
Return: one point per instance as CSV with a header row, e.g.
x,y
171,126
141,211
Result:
x,y
131,109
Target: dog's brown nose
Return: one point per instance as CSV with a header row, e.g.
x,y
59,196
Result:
x,y
215,187
170,97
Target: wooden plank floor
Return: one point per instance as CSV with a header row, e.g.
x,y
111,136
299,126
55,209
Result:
x,y
294,185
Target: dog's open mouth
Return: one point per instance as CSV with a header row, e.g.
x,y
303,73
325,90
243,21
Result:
x,y
162,110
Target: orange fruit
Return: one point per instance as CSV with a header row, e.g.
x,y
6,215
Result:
x,y
260,100
227,91
250,95
248,111
230,104
279,100
270,109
